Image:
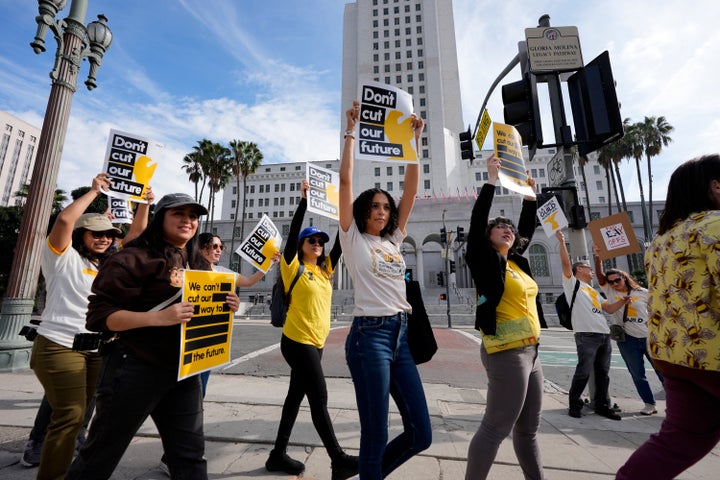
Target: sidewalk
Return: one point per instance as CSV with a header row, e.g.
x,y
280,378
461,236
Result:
x,y
242,413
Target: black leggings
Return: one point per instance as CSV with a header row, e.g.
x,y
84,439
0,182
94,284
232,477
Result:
x,y
306,378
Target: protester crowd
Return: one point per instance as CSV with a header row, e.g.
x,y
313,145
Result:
x,y
110,333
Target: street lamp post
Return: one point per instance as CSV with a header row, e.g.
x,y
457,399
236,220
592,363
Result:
x,y
75,42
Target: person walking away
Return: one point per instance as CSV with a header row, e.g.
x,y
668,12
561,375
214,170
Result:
x,y
592,335
627,303
136,298
77,245
508,315
372,229
683,266
303,339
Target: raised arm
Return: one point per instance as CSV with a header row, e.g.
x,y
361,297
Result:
x,y
564,255
336,251
61,234
346,168
412,177
292,238
602,280
140,219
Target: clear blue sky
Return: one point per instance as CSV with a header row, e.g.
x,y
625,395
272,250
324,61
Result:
x,y
270,71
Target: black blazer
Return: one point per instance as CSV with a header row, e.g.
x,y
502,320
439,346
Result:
x,y
488,266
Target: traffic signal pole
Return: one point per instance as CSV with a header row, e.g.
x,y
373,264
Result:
x,y
446,246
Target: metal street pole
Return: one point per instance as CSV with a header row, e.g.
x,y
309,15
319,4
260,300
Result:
x,y
74,42
446,246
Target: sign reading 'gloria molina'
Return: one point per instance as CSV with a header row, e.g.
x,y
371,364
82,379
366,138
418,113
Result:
x,y
553,49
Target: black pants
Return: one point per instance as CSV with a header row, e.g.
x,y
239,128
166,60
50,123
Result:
x,y
306,378
129,390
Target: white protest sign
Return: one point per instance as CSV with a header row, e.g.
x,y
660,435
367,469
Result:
x,y
261,245
130,162
551,216
324,192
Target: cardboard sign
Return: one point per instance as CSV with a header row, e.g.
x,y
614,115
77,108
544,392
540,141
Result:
x,y
508,149
614,235
261,245
551,216
205,340
120,210
130,163
324,192
384,132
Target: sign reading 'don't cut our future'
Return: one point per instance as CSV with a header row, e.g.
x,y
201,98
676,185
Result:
x,y
261,245
205,339
384,131
130,162
324,192
120,210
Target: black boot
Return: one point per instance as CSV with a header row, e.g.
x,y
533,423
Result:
x,y
344,466
281,462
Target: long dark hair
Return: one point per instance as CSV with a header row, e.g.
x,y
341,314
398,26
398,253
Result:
x,y
321,260
78,243
519,242
631,283
361,211
205,239
690,190
153,239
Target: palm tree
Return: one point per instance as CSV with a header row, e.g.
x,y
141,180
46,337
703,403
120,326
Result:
x,y
655,134
217,165
192,167
613,153
246,158
633,148
582,161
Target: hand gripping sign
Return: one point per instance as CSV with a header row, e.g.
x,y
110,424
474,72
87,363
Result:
x,y
130,162
261,245
384,132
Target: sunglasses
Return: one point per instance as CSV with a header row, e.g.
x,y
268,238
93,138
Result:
x,y
216,246
98,235
615,280
504,226
313,241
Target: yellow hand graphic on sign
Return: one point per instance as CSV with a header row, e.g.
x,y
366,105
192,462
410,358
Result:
x,y
554,224
144,170
400,133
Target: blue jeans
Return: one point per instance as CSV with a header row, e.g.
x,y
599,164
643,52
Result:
x,y
381,365
633,351
593,351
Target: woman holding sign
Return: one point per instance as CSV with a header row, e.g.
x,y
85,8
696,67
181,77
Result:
x,y
372,229
136,300
509,317
306,329
77,246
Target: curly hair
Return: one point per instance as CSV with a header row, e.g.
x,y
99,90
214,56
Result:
x,y
362,206
519,242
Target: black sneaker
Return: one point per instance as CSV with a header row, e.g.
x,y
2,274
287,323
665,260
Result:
x,y
344,467
281,462
608,413
575,412
31,455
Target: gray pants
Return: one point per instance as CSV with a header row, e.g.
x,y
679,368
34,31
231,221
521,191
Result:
x,y
514,403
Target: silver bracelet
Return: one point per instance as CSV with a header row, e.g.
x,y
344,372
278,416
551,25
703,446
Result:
x,y
350,133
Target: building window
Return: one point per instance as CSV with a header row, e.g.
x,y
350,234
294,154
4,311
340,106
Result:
x,y
426,168
426,184
401,170
601,199
596,169
377,184
389,187
539,261
401,185
389,171
599,185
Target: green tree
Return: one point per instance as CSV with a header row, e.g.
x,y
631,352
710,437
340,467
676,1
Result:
x,y
654,133
217,165
192,167
633,148
246,158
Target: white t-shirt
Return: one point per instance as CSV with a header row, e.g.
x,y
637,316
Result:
x,y
68,278
377,269
587,313
636,324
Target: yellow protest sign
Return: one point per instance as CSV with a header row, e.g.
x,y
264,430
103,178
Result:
x,y
205,340
483,129
384,131
261,245
508,149
324,193
130,162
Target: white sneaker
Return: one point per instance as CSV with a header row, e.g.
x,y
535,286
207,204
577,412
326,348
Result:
x,y
649,409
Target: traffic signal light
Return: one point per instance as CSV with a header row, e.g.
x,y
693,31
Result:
x,y
522,111
460,234
466,145
452,266
441,279
595,107
443,235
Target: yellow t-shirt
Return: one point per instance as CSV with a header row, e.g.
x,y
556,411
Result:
x,y
518,323
683,266
308,316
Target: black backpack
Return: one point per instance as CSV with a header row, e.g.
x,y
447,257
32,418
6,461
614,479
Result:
x,y
280,301
564,311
